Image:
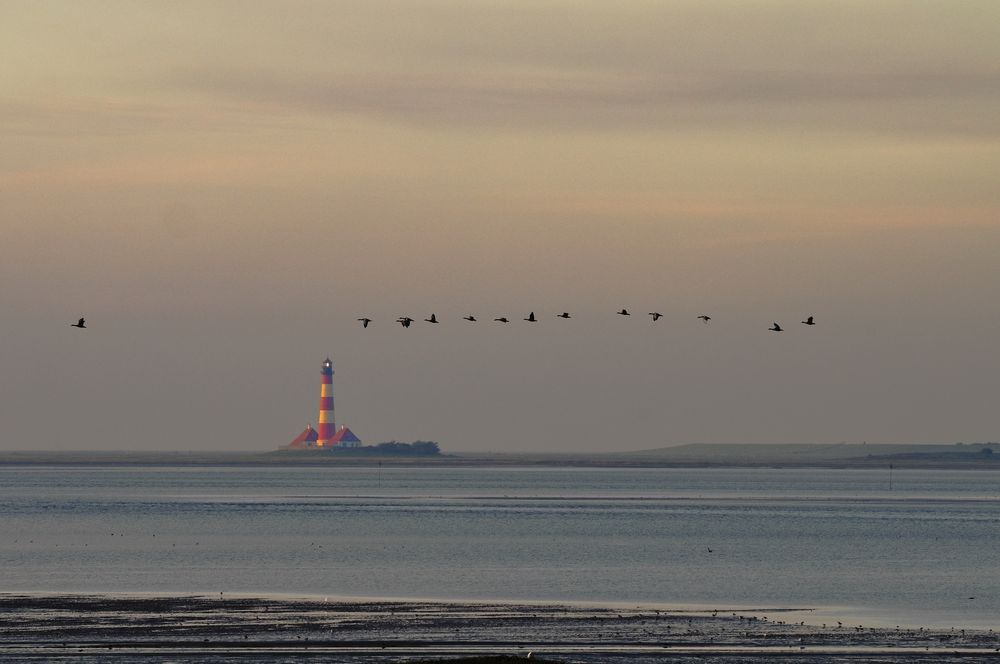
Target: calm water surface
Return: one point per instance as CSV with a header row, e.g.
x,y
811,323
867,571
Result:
x,y
837,540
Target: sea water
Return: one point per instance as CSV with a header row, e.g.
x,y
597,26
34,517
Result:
x,y
925,552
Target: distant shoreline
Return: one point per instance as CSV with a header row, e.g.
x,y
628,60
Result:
x,y
950,457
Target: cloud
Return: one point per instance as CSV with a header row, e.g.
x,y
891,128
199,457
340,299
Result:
x,y
644,66
900,100
79,116
925,102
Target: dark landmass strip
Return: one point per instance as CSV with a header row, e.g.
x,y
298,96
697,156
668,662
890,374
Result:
x,y
978,456
392,448
141,628
839,455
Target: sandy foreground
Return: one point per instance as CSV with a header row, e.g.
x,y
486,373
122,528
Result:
x,y
220,628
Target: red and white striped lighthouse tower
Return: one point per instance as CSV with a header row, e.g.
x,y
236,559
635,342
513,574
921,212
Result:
x,y
325,426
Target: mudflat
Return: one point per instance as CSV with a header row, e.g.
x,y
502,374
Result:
x,y
223,628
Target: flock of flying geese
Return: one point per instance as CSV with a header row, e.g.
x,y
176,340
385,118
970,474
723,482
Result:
x,y
406,321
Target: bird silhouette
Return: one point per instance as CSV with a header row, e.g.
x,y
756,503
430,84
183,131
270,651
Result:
x,y
501,320
624,312
656,315
531,318
80,323
365,321
776,328
470,318
432,319
705,318
563,315
808,321
404,321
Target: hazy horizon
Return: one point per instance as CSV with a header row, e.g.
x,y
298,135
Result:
x,y
223,188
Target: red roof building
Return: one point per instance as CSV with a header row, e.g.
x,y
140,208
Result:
x,y
305,439
345,438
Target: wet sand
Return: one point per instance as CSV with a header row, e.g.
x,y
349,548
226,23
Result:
x,y
221,628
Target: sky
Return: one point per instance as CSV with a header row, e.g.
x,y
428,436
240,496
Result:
x,y
223,188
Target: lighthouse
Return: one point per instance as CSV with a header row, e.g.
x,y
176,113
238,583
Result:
x,y
326,428
326,434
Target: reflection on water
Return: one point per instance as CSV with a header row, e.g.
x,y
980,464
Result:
x,y
924,553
